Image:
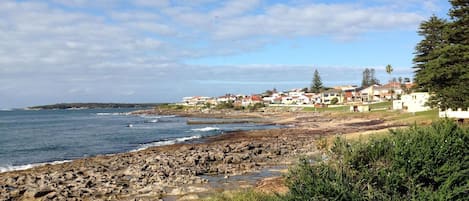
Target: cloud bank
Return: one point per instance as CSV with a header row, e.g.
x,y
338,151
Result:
x,y
137,51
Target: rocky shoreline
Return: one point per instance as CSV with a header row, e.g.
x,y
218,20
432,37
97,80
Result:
x,y
157,172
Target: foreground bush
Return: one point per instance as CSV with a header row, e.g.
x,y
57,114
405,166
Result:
x,y
248,195
419,163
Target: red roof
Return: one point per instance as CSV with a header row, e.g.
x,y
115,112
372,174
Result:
x,y
256,98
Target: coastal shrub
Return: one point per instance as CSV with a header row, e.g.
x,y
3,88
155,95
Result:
x,y
246,195
225,105
254,107
418,163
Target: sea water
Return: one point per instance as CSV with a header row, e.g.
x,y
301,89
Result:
x,y
29,138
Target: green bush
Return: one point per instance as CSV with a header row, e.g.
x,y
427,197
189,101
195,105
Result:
x,y
246,195
419,163
256,106
225,105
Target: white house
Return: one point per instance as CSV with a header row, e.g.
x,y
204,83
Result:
x,y
226,98
414,102
329,95
196,100
301,100
368,94
296,93
287,100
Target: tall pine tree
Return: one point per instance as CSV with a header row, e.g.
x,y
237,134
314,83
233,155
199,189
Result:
x,y
316,85
442,58
433,32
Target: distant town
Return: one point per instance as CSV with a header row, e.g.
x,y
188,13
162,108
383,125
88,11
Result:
x,y
400,93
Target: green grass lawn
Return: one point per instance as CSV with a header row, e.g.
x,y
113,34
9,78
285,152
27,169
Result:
x,y
328,109
381,105
346,108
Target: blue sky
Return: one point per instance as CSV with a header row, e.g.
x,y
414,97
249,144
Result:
x,y
55,51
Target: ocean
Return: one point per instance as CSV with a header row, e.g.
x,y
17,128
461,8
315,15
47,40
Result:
x,y
29,138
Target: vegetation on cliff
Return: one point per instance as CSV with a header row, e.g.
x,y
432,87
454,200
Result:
x,y
418,163
430,163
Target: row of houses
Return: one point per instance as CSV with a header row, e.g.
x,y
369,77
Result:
x,y
357,98
336,95
236,100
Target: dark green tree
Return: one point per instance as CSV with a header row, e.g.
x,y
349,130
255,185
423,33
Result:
x,y
445,71
366,78
369,77
373,79
316,85
433,32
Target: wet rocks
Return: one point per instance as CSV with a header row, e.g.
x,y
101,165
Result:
x,y
149,173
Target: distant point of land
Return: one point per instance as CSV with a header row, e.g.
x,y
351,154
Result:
x,y
65,106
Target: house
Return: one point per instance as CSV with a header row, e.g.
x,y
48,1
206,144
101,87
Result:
x,y
277,100
366,94
251,100
268,100
302,99
197,100
256,99
350,93
226,98
287,100
299,99
296,93
374,93
329,95
389,91
414,102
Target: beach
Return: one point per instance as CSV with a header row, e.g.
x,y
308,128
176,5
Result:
x,y
181,171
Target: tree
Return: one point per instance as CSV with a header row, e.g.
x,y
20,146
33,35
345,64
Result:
x,y
442,66
268,92
389,71
366,78
316,85
433,32
369,77
373,79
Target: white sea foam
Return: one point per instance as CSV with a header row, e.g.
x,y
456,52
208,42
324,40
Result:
x,y
152,121
157,116
206,129
112,113
27,166
166,142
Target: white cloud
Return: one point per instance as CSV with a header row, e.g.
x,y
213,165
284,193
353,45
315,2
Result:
x,y
315,20
115,47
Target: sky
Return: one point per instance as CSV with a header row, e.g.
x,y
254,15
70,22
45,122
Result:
x,y
147,51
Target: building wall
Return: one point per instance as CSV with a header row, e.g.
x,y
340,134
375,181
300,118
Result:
x,y
415,102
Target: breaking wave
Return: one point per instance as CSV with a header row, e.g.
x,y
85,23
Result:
x,y
27,166
165,142
206,129
112,113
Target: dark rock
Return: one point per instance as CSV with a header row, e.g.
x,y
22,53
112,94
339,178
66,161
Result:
x,y
42,192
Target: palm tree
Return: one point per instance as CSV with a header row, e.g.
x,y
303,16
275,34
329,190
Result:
x,y
389,71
